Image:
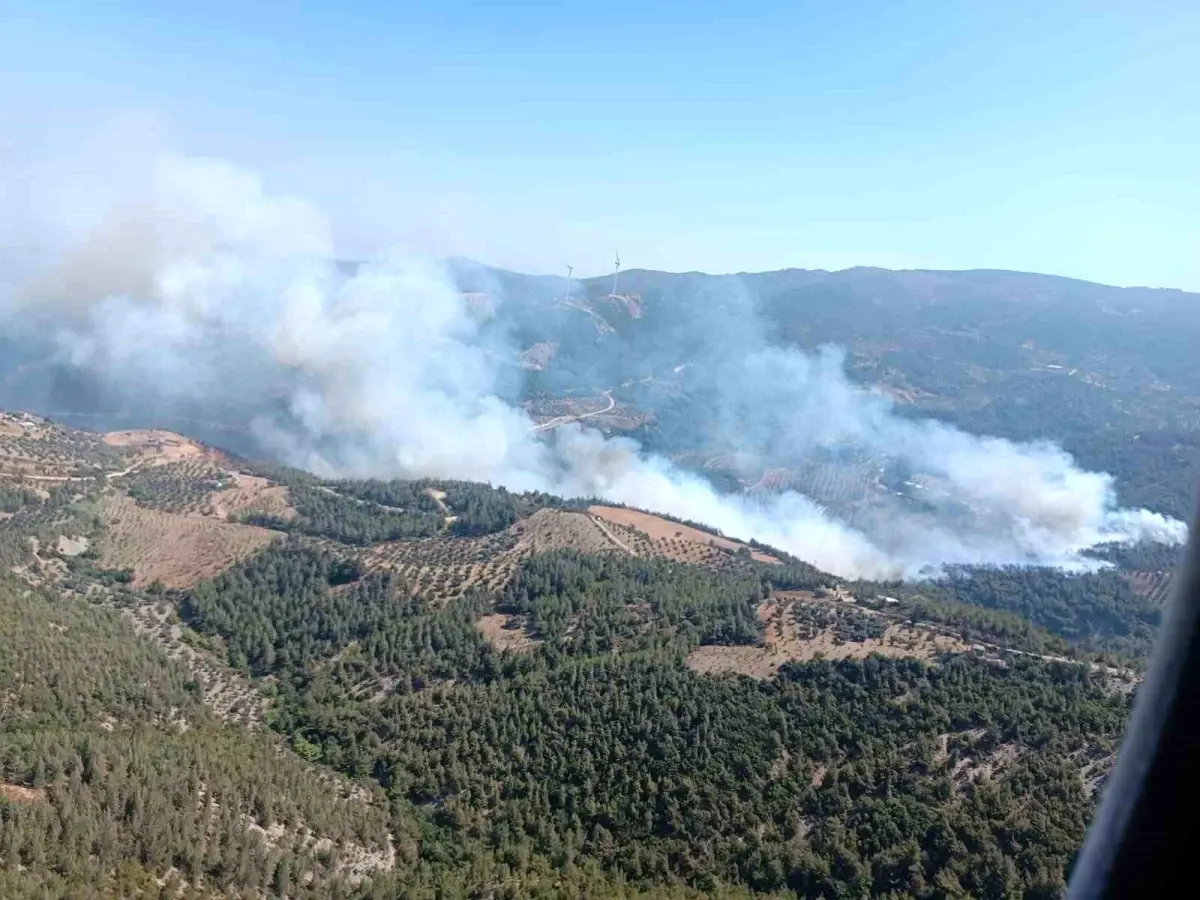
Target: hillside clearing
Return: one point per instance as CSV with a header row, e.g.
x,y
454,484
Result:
x,y
251,493
674,540
496,628
174,549
793,631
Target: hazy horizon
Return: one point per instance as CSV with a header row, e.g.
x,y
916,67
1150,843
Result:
x,y
940,136
625,270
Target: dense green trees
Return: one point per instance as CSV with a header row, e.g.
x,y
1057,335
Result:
x,y
14,497
371,511
1094,611
1145,556
601,598
473,509
112,771
600,748
594,763
328,513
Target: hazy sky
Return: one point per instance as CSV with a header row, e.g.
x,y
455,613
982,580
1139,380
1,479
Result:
x,y
1059,137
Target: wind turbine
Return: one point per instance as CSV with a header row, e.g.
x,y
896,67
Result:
x,y
570,269
616,273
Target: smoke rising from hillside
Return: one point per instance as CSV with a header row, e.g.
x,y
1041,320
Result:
x,y
199,290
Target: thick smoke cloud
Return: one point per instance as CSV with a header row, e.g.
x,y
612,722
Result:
x,y
198,291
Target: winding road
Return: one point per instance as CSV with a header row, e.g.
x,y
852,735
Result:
x,y
565,420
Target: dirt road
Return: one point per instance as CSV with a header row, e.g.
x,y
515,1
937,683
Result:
x,y
564,420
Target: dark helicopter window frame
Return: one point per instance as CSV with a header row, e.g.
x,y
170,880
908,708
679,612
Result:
x,y
1143,836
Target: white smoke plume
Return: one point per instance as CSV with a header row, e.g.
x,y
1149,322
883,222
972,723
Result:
x,y
199,284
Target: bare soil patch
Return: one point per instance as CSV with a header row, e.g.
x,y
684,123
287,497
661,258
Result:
x,y
250,493
557,529
16,793
72,546
507,632
671,539
164,446
176,549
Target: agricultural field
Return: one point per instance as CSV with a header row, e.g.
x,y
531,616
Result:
x,y
675,540
179,487
834,484
36,450
798,626
158,445
172,549
1154,586
250,494
444,568
229,694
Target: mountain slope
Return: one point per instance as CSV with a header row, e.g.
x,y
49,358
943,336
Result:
x,y
522,695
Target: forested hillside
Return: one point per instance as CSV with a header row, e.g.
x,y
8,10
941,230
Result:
x,y
441,689
1108,372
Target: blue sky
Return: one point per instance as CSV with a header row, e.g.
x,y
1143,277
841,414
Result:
x,y
1055,137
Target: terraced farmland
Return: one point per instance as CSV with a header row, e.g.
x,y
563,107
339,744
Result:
x,y
177,487
1154,586
40,450
444,567
834,484
175,549
656,535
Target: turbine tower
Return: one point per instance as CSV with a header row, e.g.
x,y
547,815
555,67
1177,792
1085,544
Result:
x,y
567,299
616,273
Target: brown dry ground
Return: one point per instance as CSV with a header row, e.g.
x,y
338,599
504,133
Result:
x,y
784,641
673,540
176,549
16,793
517,639
251,492
165,445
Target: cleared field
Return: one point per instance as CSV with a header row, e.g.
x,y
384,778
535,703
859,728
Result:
x,y
18,793
774,481
443,568
797,627
505,632
175,549
165,445
834,484
250,493
1154,586
556,529
676,541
